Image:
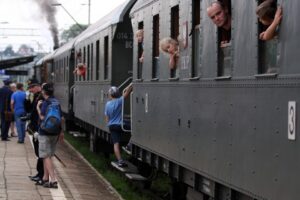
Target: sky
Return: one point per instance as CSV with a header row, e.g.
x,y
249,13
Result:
x,y
23,17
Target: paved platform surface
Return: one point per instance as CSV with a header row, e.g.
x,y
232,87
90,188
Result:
x,y
76,181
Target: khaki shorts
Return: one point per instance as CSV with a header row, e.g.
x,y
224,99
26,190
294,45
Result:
x,y
47,145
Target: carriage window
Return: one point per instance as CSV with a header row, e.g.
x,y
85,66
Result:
x,y
224,43
140,54
155,46
106,58
64,79
196,38
174,32
267,49
92,61
61,70
88,62
68,67
84,61
97,59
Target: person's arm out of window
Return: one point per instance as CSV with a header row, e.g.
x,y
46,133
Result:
x,y
270,33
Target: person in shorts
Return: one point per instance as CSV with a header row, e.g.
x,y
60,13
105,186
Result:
x,y
47,142
113,114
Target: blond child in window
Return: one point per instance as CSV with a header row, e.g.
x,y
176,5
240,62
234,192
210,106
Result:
x,y
170,46
140,38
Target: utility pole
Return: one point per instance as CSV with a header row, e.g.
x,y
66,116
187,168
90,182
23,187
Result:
x,y
89,22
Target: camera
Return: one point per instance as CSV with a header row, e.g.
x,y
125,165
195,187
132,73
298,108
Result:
x,y
25,117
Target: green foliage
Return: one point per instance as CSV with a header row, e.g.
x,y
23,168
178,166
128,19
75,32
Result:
x,y
72,32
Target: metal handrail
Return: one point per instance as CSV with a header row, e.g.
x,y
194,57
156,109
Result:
x,y
128,79
122,116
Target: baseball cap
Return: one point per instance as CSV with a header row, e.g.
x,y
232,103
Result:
x,y
32,83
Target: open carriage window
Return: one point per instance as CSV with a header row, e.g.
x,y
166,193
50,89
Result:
x,y
84,61
92,61
174,33
268,53
224,41
155,46
65,69
88,62
196,38
97,59
140,53
106,58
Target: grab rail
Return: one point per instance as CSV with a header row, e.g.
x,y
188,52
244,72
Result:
x,y
122,116
122,84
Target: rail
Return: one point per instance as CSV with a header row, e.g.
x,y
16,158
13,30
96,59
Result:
x,y
123,102
126,81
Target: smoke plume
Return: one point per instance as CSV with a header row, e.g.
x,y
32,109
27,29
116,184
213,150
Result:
x,y
49,11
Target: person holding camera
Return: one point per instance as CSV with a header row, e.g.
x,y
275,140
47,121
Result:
x,y
35,88
17,106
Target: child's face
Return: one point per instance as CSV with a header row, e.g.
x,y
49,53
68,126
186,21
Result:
x,y
171,48
140,37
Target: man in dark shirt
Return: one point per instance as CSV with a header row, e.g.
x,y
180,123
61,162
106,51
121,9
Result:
x,y
35,89
5,95
220,16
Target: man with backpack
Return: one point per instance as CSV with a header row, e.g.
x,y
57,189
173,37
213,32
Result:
x,y
50,132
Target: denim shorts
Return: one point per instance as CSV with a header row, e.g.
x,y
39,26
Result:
x,y
115,131
47,145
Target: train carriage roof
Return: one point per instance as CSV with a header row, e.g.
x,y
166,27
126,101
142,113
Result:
x,y
46,57
66,47
140,4
110,19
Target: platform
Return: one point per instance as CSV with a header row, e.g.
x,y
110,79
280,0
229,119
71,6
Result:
x,y
78,180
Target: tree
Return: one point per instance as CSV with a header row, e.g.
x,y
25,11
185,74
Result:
x,y
25,50
9,51
72,32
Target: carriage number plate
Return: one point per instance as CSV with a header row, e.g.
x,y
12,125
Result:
x,y
292,120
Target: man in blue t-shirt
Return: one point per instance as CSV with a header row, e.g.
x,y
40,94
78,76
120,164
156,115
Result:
x,y
113,114
17,106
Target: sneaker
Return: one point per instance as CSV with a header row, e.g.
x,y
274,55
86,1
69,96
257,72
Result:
x,y
34,178
121,163
51,185
41,182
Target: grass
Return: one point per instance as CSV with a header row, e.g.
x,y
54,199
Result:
x,y
127,190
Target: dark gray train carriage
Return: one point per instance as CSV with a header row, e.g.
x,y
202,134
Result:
x,y
43,69
224,122
106,50
64,62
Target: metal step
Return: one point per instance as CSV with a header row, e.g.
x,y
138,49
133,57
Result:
x,y
135,177
129,169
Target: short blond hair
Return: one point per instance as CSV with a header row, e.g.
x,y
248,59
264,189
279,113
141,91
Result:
x,y
165,41
138,32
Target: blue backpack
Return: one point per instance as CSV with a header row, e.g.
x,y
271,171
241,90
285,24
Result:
x,y
51,124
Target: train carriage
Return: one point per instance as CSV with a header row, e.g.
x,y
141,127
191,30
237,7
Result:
x,y
43,69
106,50
223,122
64,63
